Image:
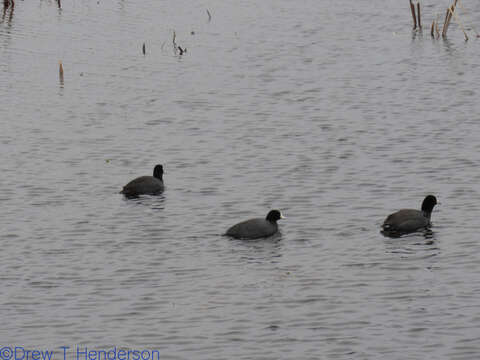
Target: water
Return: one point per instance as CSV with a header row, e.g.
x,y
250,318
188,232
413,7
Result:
x,y
334,113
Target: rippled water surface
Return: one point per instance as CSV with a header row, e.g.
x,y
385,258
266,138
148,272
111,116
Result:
x,y
335,113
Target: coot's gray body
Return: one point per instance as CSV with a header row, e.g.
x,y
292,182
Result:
x,y
146,185
407,221
256,228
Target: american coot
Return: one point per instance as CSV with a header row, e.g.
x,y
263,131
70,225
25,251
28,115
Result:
x,y
409,220
256,228
145,185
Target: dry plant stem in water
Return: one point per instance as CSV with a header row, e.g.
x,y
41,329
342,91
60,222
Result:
x,y
418,14
8,3
412,7
448,18
454,15
174,42
60,72
445,23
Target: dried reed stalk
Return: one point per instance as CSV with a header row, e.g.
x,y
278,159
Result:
x,y
8,3
174,42
60,72
412,7
444,31
418,14
448,18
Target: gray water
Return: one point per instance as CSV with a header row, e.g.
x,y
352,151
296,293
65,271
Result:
x,y
334,113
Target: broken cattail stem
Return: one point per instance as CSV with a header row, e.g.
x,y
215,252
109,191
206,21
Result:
x,y
448,18
418,14
412,7
444,31
174,42
209,16
60,72
450,14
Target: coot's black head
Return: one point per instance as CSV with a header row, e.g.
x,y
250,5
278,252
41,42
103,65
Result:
x,y
158,172
428,203
274,215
